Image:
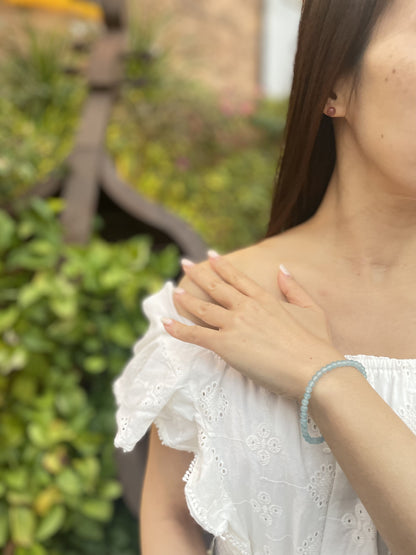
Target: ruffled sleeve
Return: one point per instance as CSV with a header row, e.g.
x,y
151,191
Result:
x,y
154,385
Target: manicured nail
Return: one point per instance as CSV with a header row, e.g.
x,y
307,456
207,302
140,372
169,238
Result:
x,y
285,270
186,262
213,254
167,321
179,290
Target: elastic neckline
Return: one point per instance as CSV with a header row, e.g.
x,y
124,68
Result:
x,y
378,362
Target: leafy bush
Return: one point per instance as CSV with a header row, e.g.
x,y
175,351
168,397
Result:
x,y
39,108
68,318
208,161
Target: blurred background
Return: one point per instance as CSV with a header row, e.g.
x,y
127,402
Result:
x,y
132,133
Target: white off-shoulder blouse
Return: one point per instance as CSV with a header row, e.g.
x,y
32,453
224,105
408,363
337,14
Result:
x,y
254,483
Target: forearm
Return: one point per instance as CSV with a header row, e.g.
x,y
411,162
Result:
x,y
375,449
160,536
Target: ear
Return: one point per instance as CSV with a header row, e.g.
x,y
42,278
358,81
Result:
x,y
340,96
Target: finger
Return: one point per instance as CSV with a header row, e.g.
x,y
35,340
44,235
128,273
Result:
x,y
237,279
294,293
197,335
213,314
210,282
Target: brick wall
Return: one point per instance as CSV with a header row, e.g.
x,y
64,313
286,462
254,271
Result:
x,y
217,41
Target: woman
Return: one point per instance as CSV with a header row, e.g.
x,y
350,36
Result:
x,y
224,375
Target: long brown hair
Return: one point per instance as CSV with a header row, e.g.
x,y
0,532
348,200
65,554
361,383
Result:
x,y
333,36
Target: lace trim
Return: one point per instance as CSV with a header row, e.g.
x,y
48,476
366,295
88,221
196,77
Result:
x,y
198,512
152,395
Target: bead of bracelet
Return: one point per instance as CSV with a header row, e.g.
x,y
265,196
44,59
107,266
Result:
x,y
308,393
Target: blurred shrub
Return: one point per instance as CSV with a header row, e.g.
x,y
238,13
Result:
x,y
39,108
207,160
68,318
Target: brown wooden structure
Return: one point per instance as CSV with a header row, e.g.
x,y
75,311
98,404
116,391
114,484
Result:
x,y
92,185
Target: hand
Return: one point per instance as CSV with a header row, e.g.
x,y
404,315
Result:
x,y
279,345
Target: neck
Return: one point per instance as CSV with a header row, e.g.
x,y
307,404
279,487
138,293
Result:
x,y
367,228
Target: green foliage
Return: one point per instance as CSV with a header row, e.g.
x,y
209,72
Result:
x,y
39,108
68,318
211,163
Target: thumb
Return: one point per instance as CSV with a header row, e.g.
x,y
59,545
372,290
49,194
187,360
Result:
x,y
291,289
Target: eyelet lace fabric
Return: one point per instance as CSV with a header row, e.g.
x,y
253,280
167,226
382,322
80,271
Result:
x,y
254,483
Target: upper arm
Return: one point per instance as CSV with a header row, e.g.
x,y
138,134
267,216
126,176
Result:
x,y
163,485
166,525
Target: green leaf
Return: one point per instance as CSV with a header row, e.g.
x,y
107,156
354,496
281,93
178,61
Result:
x,y
71,402
17,478
42,209
46,498
12,359
38,435
22,526
23,258
25,229
88,470
97,509
35,340
95,364
88,529
43,248
8,228
113,278
8,318
23,388
33,291
69,482
56,204
111,490
50,432
122,334
64,307
4,524
35,549
12,431
51,523
19,498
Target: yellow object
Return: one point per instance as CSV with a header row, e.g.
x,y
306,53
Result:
x,y
73,7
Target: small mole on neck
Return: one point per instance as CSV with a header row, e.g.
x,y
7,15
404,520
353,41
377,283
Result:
x,y
386,79
382,136
394,70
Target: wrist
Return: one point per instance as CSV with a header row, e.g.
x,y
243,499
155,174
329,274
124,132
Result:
x,y
332,387
316,363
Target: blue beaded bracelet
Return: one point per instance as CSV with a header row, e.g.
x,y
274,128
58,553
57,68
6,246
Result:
x,y
308,392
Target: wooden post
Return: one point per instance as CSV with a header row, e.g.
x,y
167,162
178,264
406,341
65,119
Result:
x,y
90,170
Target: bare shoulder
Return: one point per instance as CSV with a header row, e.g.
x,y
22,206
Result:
x,y
260,262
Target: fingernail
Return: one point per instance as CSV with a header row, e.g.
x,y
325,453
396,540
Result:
x,y
167,321
186,262
179,290
213,254
285,270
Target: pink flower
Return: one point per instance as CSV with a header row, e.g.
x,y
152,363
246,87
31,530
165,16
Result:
x,y
247,108
182,163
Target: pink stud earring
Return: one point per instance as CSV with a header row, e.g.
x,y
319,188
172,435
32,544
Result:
x,y
331,112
